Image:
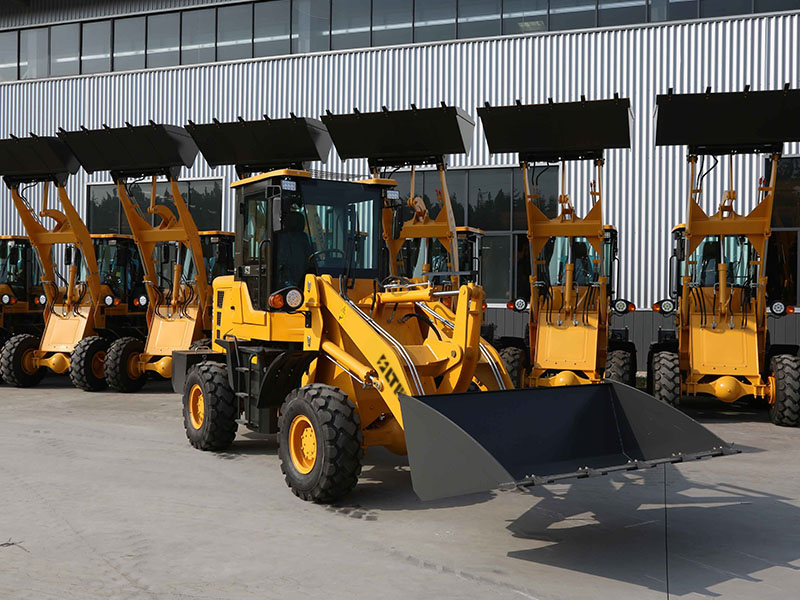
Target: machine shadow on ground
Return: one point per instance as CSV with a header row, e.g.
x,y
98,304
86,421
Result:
x,y
614,528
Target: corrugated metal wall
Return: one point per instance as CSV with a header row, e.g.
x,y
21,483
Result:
x,y
15,14
645,187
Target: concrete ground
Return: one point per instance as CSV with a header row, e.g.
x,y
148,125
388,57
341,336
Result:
x,y
101,496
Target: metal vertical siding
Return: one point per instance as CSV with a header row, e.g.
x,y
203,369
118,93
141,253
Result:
x,y
645,187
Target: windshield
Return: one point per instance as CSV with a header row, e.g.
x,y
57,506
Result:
x,y
323,225
737,253
118,266
556,254
12,263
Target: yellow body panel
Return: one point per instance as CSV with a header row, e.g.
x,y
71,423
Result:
x,y
167,334
63,331
567,346
723,350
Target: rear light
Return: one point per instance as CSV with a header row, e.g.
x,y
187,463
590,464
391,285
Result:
x,y
277,301
789,309
510,305
116,301
136,302
485,305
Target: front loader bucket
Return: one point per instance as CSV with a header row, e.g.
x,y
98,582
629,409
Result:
x,y
25,160
133,151
260,146
401,137
558,131
466,443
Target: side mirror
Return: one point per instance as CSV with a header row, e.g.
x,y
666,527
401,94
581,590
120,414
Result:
x,y
665,307
622,307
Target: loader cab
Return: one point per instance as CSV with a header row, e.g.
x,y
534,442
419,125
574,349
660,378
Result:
x,y
290,225
119,267
588,264
217,256
20,274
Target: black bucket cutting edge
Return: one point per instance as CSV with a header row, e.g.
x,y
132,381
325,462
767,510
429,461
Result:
x,y
474,442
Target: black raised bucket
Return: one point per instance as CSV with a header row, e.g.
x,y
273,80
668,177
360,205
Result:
x,y
465,443
132,151
401,137
30,159
558,131
256,146
724,123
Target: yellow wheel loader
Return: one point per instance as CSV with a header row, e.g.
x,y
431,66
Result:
x,y
573,258
20,289
178,260
720,346
313,343
94,303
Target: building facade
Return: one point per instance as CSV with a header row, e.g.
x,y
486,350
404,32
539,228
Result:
x,y
90,63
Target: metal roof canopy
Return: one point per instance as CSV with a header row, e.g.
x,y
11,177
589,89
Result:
x,y
402,137
558,131
133,151
729,123
259,146
35,159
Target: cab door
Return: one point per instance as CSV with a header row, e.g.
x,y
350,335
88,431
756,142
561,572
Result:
x,y
255,242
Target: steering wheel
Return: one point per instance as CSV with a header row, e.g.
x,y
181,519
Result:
x,y
319,253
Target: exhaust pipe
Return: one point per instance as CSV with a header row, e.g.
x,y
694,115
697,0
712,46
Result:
x,y
475,442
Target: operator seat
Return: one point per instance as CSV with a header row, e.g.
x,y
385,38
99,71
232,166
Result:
x,y
292,249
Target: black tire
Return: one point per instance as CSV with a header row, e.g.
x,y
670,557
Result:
x,y
785,410
214,429
667,378
620,367
337,462
515,360
11,361
87,357
201,344
117,371
4,337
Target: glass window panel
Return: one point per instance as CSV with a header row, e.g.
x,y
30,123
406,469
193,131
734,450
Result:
x,y
104,209
782,267
96,47
350,24
786,208
544,181
479,18
8,56
235,32
434,20
391,22
721,8
197,36
163,40
522,267
496,267
272,36
33,55
490,199
621,12
571,14
524,16
205,202
65,49
457,186
673,10
776,5
129,44
310,25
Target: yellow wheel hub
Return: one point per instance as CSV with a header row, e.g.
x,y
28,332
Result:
x,y
197,406
98,365
28,362
134,372
302,444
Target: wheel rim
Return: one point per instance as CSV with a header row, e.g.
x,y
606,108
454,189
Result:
x,y
133,366
28,363
98,364
197,406
303,444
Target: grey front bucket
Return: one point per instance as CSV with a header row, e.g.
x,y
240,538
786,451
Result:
x,y
465,443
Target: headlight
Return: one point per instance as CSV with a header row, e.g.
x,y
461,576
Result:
x,y
289,185
142,300
392,195
5,299
620,307
518,305
778,308
108,300
294,299
666,307
42,299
